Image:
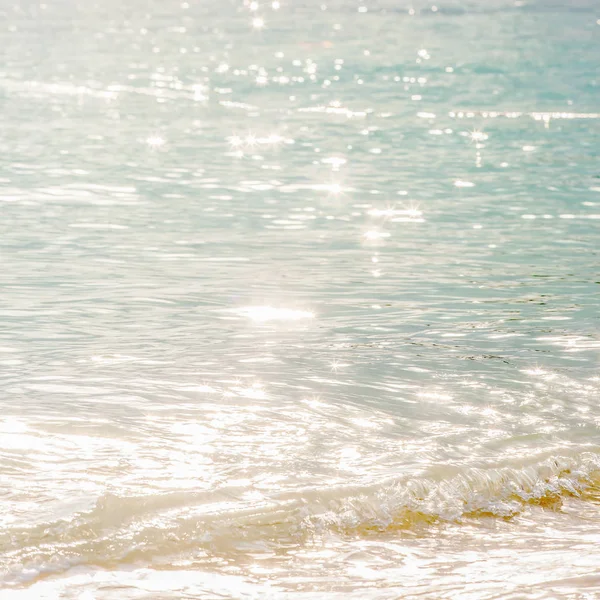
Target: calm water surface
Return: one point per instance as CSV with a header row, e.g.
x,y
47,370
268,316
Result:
x,y
299,300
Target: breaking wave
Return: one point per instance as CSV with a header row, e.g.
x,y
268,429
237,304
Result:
x,y
122,530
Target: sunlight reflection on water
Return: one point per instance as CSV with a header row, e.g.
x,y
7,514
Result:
x,y
299,300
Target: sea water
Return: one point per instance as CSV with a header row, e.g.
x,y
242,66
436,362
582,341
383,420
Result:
x,y
299,299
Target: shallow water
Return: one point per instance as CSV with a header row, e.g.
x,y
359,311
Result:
x,y
299,300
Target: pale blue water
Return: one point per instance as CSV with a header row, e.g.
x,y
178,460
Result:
x,y
299,300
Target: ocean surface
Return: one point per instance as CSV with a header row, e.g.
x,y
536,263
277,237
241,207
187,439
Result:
x,y
299,300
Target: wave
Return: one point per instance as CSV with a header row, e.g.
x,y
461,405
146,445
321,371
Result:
x,y
122,530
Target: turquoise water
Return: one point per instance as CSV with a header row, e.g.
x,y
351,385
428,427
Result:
x,y
299,300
